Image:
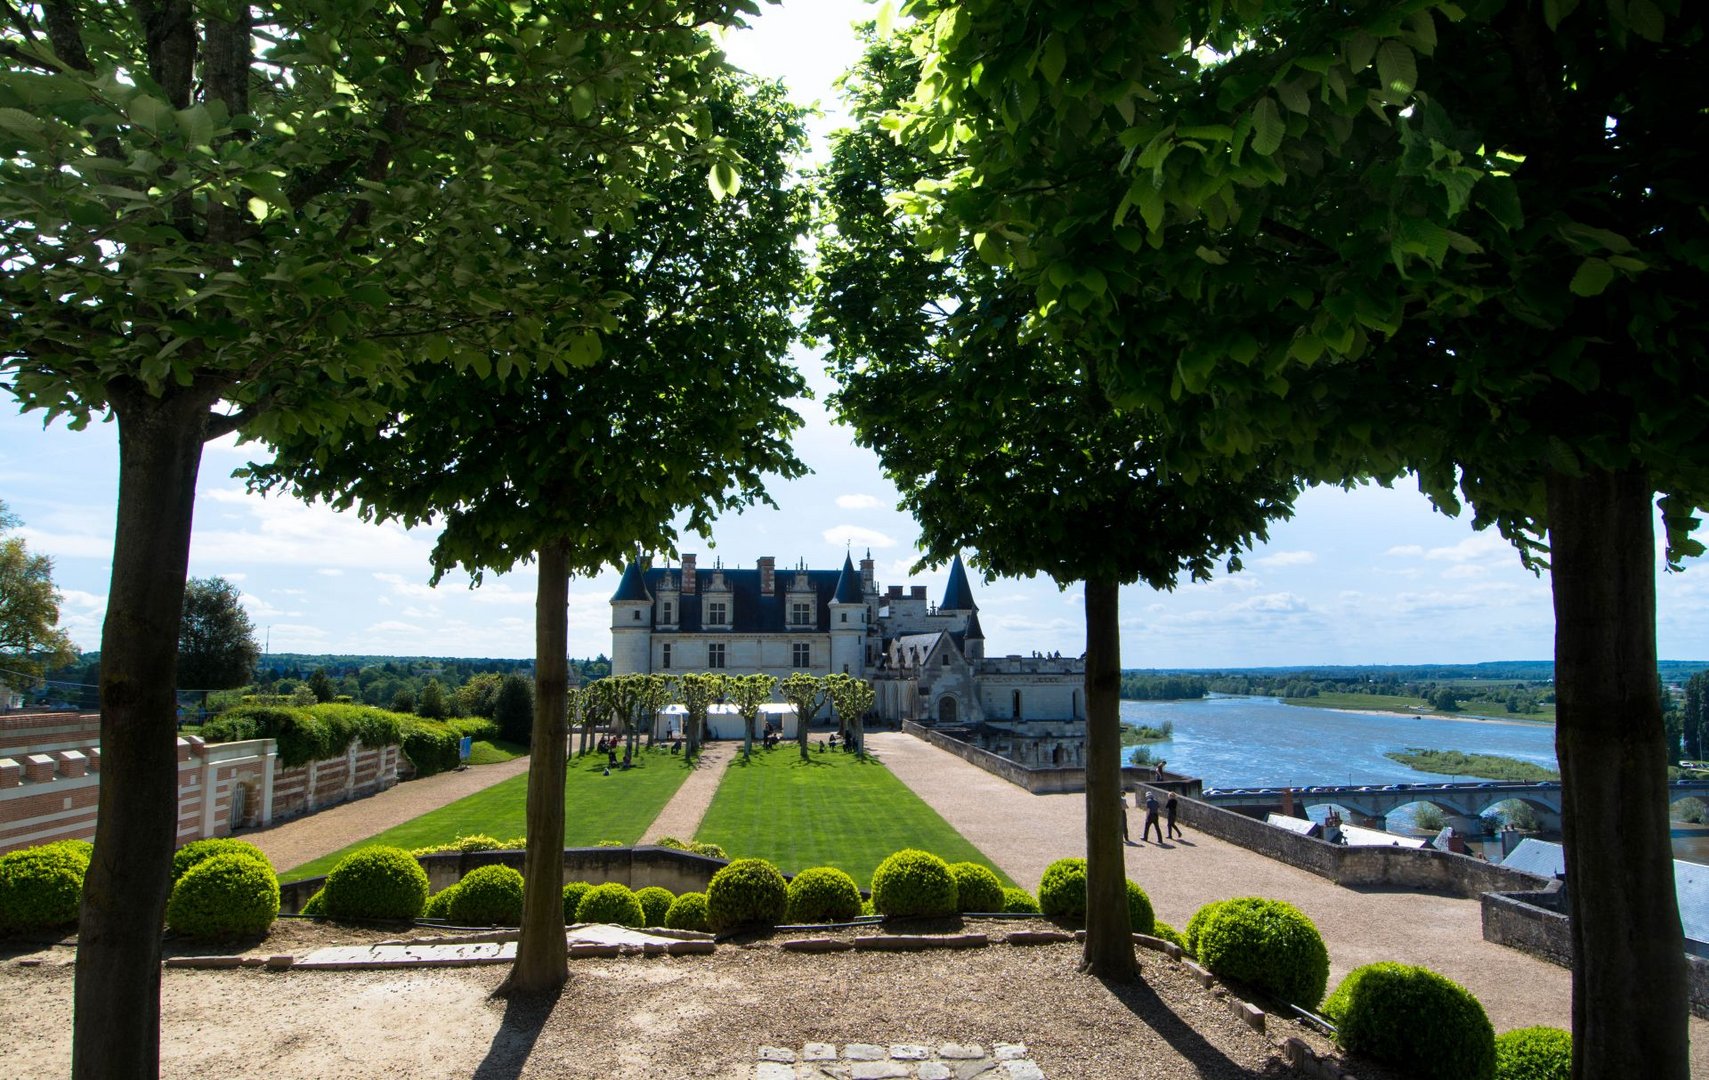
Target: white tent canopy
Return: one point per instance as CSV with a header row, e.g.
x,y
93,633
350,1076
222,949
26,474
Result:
x,y
724,721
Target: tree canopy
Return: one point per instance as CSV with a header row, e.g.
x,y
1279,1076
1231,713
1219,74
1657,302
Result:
x,y
30,639
217,649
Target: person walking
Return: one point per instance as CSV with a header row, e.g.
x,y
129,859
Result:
x,y
1121,801
1151,819
1171,808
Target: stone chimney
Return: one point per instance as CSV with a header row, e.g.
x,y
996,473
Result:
x,y
895,592
768,575
688,586
917,592
866,583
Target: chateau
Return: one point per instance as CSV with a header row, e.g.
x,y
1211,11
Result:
x,y
927,663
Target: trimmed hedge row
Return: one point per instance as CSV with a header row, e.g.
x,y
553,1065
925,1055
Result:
x,y
42,887
308,733
1414,1018
234,894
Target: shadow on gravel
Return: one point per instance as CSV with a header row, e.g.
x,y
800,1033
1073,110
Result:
x,y
524,1017
1151,1010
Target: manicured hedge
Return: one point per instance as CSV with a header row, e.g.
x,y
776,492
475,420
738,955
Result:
x,y
911,882
1534,1053
612,903
224,896
1269,944
688,912
309,733
488,896
822,894
573,893
1019,901
976,887
432,747
42,887
1062,890
655,900
376,882
748,892
1415,1019
198,850
438,905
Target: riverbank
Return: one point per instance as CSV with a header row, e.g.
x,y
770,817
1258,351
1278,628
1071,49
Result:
x,y
1425,714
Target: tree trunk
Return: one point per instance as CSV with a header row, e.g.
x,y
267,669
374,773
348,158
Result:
x,y
1109,932
116,1027
748,736
542,957
1629,973
801,728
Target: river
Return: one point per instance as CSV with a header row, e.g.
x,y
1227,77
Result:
x,y
1260,742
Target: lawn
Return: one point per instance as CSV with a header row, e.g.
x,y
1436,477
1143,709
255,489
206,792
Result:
x,y
1412,704
494,751
833,810
596,807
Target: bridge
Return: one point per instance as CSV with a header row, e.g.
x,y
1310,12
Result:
x,y
1462,804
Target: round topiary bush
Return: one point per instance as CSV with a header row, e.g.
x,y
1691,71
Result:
x,y
688,912
438,905
1190,937
1534,1053
913,882
976,887
314,905
376,882
748,892
42,887
224,896
573,893
1062,890
655,900
488,896
1267,944
1139,914
197,850
1161,929
612,903
1019,901
1413,1018
822,894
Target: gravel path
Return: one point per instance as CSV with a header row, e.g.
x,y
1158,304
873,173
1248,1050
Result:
x,y
1023,833
681,816
292,843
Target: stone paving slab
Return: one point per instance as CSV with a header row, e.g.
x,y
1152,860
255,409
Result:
x,y
590,939
896,1061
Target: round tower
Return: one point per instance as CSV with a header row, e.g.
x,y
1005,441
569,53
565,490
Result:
x,y
631,624
848,623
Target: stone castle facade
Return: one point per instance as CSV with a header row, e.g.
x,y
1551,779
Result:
x,y
927,662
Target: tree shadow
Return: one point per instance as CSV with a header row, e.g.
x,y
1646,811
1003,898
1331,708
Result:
x,y
525,1015
1141,1000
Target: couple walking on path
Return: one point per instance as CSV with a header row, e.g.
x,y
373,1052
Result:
x,y
1151,818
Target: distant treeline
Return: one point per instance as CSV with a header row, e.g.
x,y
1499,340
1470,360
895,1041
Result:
x,y
1141,687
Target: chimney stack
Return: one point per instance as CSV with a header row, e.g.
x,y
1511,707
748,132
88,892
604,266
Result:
x,y
866,582
768,575
688,575
917,592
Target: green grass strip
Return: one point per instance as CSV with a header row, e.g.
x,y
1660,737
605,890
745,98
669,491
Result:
x,y
832,810
596,807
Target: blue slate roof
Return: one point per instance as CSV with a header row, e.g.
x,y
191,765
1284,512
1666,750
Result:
x,y
1690,885
957,595
848,584
1539,857
631,588
753,612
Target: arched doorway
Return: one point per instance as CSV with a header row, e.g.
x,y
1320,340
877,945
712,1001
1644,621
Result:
x,y
946,710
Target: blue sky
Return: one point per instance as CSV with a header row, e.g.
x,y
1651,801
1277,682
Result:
x,y
1371,576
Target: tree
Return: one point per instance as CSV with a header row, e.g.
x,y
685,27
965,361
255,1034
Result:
x,y
513,708
1008,445
699,690
263,220
320,684
30,640
684,412
749,692
479,697
1460,241
1696,718
430,703
807,694
852,698
217,649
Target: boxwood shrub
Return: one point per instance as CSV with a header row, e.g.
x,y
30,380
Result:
x,y
197,850
1268,944
376,882
314,905
224,896
1415,1019
695,846
822,894
688,912
655,901
748,892
612,903
1534,1053
1161,929
1062,890
913,882
573,893
1020,901
488,896
42,887
1190,937
976,887
438,905
1141,919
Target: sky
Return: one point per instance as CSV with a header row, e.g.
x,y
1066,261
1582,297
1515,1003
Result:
x,y
1372,576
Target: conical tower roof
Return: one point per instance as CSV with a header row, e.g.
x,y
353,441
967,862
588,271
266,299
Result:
x,y
957,595
632,587
848,584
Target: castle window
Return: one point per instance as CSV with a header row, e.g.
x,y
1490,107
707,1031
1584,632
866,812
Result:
x,y
715,614
637,615
665,656
1017,704
668,612
802,655
845,616
715,655
799,614
946,658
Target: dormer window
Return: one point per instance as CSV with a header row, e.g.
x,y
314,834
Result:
x,y
717,613
800,614
668,612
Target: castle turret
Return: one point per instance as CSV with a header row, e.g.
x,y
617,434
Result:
x,y
957,595
848,622
973,644
631,624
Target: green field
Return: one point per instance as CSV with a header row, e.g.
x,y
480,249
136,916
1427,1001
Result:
x,y
832,810
596,807
1484,766
1410,704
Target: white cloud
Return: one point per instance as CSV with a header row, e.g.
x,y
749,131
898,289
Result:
x,y
67,545
237,577
404,587
1483,545
858,536
284,532
1287,558
291,592
858,502
1465,570
1407,551
330,571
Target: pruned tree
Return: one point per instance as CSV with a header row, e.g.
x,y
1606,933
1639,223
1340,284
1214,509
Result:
x,y
217,649
852,698
1005,442
748,693
1459,241
807,694
30,639
699,690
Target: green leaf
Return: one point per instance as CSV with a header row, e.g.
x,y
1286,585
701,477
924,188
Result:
x,y
1592,277
1360,48
725,180
1053,59
196,125
1211,255
1556,10
1293,95
582,101
586,349
1645,19
1397,68
151,113
1267,127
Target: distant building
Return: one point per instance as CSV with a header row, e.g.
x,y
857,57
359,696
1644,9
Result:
x,y
927,663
